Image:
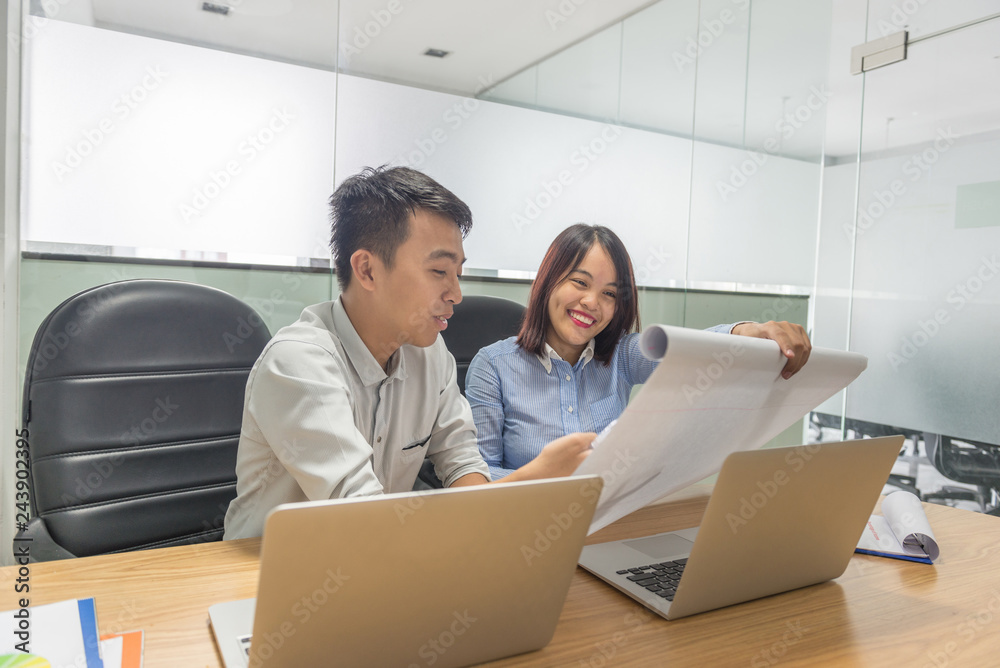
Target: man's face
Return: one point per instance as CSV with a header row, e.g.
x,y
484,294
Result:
x,y
422,286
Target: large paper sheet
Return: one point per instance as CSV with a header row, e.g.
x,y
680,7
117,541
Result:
x,y
711,395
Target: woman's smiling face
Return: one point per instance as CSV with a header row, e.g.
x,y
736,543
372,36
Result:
x,y
582,304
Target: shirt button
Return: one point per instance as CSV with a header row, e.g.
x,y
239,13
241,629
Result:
x,y
570,409
568,377
378,440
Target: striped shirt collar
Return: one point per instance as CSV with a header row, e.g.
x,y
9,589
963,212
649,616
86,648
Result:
x,y
548,353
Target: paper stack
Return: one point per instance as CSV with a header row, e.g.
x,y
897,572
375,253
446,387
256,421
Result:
x,y
64,635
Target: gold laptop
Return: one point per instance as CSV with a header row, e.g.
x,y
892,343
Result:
x,y
444,578
778,519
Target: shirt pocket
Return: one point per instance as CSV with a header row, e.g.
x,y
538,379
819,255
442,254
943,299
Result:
x,y
415,449
603,412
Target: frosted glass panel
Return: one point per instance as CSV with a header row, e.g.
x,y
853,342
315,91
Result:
x,y
754,207
526,174
789,108
584,79
831,298
720,55
142,143
521,88
927,289
753,218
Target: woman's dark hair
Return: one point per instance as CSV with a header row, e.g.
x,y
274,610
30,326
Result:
x,y
372,210
565,254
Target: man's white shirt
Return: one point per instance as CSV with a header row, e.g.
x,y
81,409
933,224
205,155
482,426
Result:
x,y
322,420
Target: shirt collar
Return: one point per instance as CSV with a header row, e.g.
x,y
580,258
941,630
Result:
x,y
549,353
365,365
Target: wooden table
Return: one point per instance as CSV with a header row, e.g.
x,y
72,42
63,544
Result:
x,y
881,612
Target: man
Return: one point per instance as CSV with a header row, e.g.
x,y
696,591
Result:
x,y
349,399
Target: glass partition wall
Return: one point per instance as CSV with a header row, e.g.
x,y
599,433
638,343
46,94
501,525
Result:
x,y
910,229
927,237
203,144
184,143
719,109
751,176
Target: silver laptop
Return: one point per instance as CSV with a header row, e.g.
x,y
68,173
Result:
x,y
778,519
445,578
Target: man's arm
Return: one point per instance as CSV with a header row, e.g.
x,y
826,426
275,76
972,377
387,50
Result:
x,y
452,446
556,460
299,402
470,479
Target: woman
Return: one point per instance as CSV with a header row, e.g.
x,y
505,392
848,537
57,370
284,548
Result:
x,y
574,363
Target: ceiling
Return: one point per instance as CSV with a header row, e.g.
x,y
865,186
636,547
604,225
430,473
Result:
x,y
383,39
737,104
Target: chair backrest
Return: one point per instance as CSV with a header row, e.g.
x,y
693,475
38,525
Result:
x,y
133,400
479,320
965,461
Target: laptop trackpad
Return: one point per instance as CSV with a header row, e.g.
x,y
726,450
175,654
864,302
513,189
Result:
x,y
662,546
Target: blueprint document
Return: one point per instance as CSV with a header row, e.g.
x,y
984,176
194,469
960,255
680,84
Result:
x,y
711,395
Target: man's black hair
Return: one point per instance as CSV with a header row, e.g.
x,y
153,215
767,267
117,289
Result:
x,y
372,209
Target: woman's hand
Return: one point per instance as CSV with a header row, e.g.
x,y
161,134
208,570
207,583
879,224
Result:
x,y
792,339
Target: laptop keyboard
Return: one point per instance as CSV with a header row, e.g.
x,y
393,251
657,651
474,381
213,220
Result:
x,y
661,579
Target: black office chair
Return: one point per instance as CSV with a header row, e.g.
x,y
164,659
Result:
x,y
969,462
863,429
479,320
133,400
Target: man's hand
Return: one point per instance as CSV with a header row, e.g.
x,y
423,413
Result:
x,y
557,459
792,339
